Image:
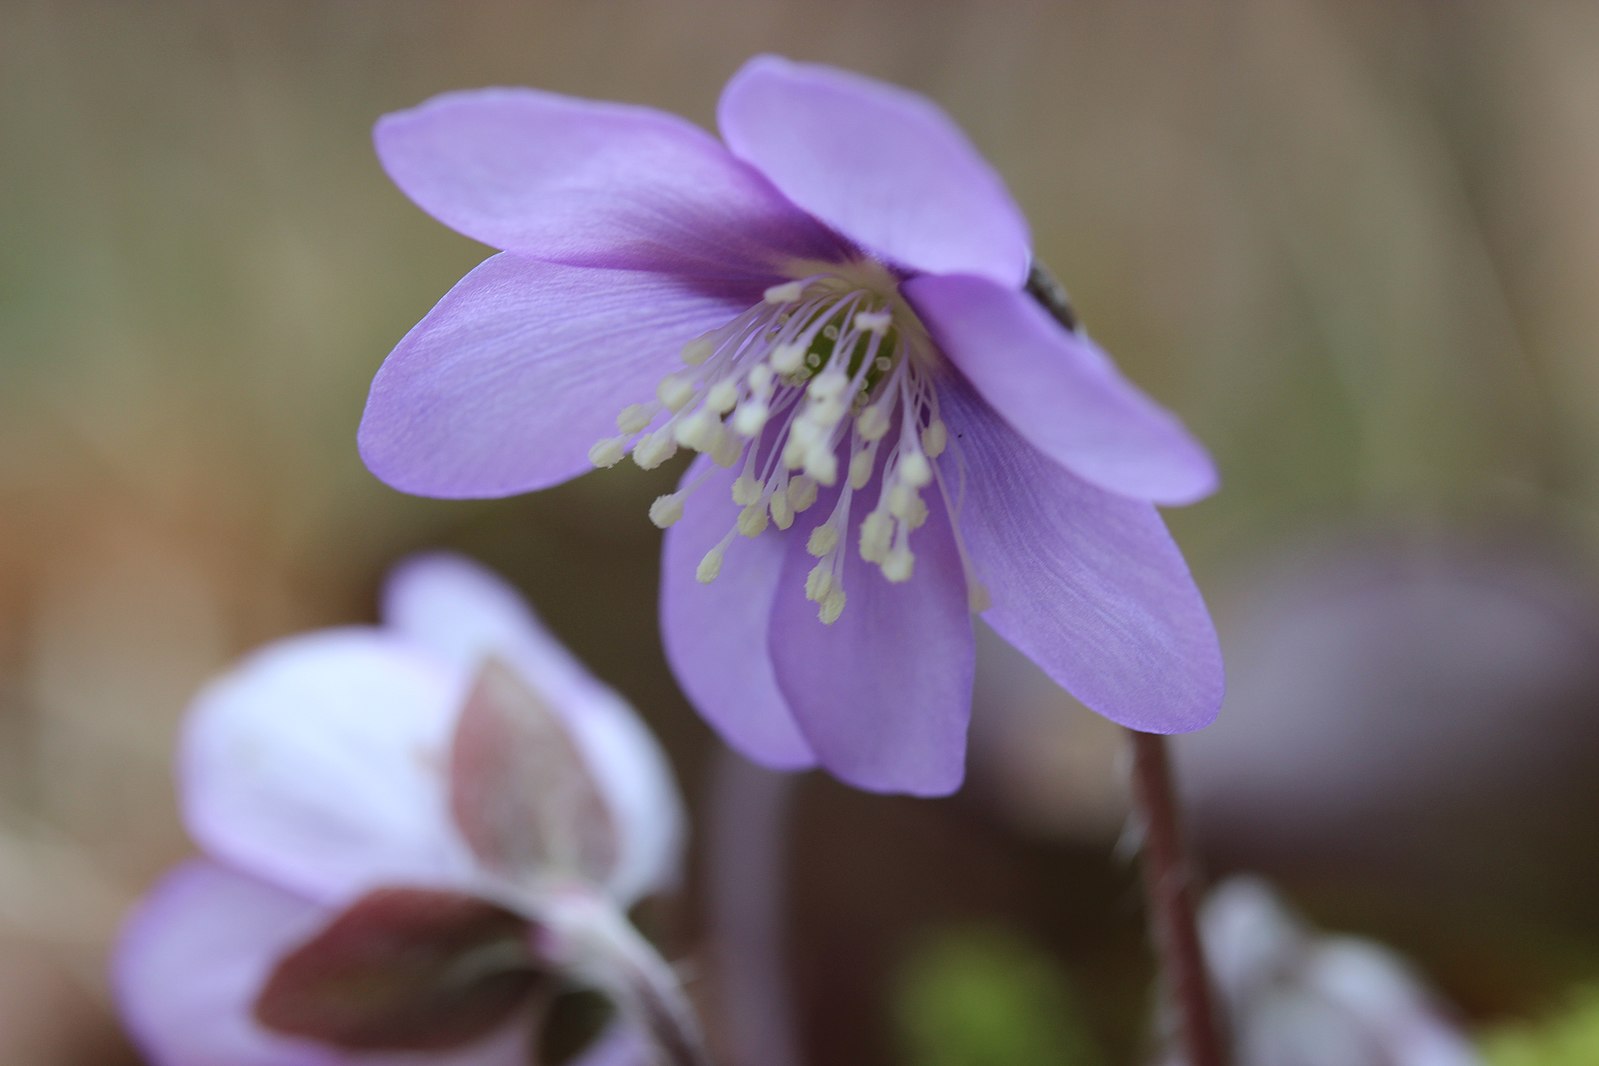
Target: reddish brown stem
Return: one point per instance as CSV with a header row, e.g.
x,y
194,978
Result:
x,y
1169,893
1168,885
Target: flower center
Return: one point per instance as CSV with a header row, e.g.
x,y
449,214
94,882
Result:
x,y
824,384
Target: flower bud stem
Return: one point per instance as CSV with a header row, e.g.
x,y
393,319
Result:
x,y
1168,889
1169,896
585,937
652,995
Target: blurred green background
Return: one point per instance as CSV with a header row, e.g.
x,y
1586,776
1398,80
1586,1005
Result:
x,y
1354,245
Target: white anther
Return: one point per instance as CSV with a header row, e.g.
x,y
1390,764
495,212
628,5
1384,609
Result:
x,y
915,515
860,469
801,493
785,293
823,412
819,582
752,520
710,566
828,385
787,358
634,417
832,606
872,423
935,438
874,321
697,430
655,449
746,490
727,449
805,433
899,564
901,499
823,539
698,350
915,470
723,397
782,510
761,379
793,452
877,532
675,391
750,418
666,510
608,452
822,464
977,597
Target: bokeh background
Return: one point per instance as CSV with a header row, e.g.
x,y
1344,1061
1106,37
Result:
x,y
1354,245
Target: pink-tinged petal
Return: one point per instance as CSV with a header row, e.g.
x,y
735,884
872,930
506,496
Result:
x,y
592,184
1088,584
617,1046
319,764
193,956
521,368
404,969
510,1045
882,165
631,768
884,693
521,790
463,613
715,633
1057,389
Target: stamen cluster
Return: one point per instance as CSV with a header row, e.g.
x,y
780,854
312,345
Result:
x,y
802,389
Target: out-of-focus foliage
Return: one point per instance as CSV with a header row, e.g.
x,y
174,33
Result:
x,y
984,997
1567,1038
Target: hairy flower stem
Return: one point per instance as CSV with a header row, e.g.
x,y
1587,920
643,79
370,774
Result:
x,y
649,991
1168,892
587,938
1168,887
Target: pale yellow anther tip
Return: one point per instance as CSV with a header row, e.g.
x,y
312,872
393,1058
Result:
x,y
785,293
832,607
709,567
666,510
607,453
823,539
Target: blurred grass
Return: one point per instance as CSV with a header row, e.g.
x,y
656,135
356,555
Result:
x,y
983,997
1569,1037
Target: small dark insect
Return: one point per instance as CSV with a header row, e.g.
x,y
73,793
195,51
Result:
x,y
1051,295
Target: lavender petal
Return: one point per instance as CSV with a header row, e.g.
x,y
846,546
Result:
x,y
882,165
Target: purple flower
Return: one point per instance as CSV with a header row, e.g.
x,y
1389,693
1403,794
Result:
x,y
1297,998
830,309
407,830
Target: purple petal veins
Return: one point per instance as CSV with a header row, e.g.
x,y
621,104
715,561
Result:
x,y
822,309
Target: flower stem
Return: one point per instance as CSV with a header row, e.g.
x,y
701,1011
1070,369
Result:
x,y
748,850
1168,891
585,937
651,993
